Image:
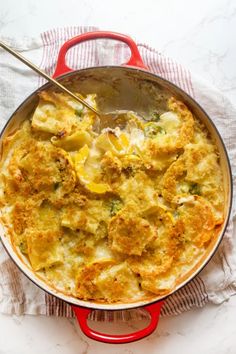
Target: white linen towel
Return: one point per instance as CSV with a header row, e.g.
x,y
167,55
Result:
x,y
217,282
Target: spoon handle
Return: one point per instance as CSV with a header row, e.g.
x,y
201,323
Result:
x,y
47,77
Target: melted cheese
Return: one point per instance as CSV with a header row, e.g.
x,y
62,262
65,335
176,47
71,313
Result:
x,y
113,216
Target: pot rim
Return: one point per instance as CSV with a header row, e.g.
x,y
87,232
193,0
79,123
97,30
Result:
x,y
134,305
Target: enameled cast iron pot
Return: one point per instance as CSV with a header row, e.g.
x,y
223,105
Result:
x,y
131,87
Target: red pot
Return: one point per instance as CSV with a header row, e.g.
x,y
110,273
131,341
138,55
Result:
x,y
131,80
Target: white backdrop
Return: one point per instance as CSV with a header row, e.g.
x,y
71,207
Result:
x,y
199,34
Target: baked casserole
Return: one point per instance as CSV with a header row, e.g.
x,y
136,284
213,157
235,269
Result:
x,y
112,214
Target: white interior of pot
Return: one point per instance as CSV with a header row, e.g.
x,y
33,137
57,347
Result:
x,y
138,91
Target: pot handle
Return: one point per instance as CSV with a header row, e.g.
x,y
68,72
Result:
x,y
135,58
83,313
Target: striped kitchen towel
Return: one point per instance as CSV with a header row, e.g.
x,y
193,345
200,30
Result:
x,y
217,282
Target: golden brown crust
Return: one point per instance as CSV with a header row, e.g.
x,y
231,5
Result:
x,y
159,258
129,234
87,288
168,144
37,167
170,179
198,219
113,216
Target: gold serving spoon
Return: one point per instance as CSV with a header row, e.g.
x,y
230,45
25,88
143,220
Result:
x,y
106,119
48,78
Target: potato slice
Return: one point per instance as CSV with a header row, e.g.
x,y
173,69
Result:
x,y
118,283
129,233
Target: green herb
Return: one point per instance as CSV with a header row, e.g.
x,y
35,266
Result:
x,y
155,116
23,247
195,189
56,185
184,188
115,206
176,214
79,111
152,130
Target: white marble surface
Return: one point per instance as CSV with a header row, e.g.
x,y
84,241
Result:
x,y
201,35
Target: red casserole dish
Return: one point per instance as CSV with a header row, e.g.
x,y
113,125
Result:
x,y
130,77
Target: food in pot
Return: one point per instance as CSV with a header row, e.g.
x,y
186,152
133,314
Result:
x,y
115,214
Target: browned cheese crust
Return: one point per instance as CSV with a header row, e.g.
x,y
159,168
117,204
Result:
x,y
116,215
